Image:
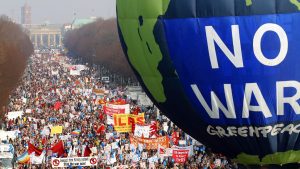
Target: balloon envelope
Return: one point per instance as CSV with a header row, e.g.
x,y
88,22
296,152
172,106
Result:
x,y
225,71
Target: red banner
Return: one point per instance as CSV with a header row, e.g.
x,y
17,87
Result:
x,y
110,111
150,143
180,156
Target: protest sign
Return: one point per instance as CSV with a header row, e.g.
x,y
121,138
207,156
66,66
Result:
x,y
74,72
123,122
142,131
121,167
189,148
14,115
28,111
76,161
153,159
164,152
56,130
110,111
99,92
120,106
150,143
180,155
6,135
54,72
6,151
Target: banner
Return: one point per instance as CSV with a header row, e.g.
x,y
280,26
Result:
x,y
99,92
74,162
110,111
54,72
164,152
6,163
14,115
142,131
74,72
4,135
123,122
56,130
180,155
6,151
122,106
37,159
150,143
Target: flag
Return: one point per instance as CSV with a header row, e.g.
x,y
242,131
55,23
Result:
x,y
101,129
87,151
32,148
75,133
57,105
37,159
24,158
153,128
58,148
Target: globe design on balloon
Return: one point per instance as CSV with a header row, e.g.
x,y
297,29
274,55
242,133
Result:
x,y
221,70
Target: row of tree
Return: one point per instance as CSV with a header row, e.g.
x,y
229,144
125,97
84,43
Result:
x,y
98,43
15,49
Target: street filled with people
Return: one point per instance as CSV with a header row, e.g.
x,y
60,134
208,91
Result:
x,y
63,116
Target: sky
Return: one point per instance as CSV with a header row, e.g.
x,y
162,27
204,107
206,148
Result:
x,y
59,11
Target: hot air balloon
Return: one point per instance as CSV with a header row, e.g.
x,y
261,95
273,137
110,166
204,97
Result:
x,y
15,49
225,71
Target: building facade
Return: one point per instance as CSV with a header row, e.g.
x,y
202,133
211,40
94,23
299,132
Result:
x,y
43,36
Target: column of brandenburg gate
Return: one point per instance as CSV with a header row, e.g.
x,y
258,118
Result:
x,y
45,35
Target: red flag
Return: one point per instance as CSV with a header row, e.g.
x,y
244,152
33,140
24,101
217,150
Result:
x,y
44,141
32,148
101,129
175,138
57,105
153,128
87,151
58,148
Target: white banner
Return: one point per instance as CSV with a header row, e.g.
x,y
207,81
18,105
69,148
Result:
x,y
81,67
37,159
4,135
76,161
6,151
142,131
190,148
124,106
75,72
54,72
14,115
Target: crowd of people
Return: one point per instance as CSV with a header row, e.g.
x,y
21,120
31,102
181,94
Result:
x,y
50,96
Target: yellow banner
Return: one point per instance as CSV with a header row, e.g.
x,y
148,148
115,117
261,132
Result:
x,y
123,122
56,130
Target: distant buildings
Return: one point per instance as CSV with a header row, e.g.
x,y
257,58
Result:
x,y
77,23
26,14
48,35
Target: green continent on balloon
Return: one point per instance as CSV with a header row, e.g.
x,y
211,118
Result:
x,y
137,19
248,2
296,3
276,158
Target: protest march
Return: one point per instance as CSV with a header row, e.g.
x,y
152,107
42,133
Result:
x,y
62,116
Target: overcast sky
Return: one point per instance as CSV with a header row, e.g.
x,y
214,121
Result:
x,y
59,11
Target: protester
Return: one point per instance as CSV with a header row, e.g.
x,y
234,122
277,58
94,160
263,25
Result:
x,y
66,116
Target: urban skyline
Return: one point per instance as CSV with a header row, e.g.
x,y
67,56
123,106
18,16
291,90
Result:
x,y
58,12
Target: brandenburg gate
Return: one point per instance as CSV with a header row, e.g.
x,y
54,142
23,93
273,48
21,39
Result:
x,y
45,35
